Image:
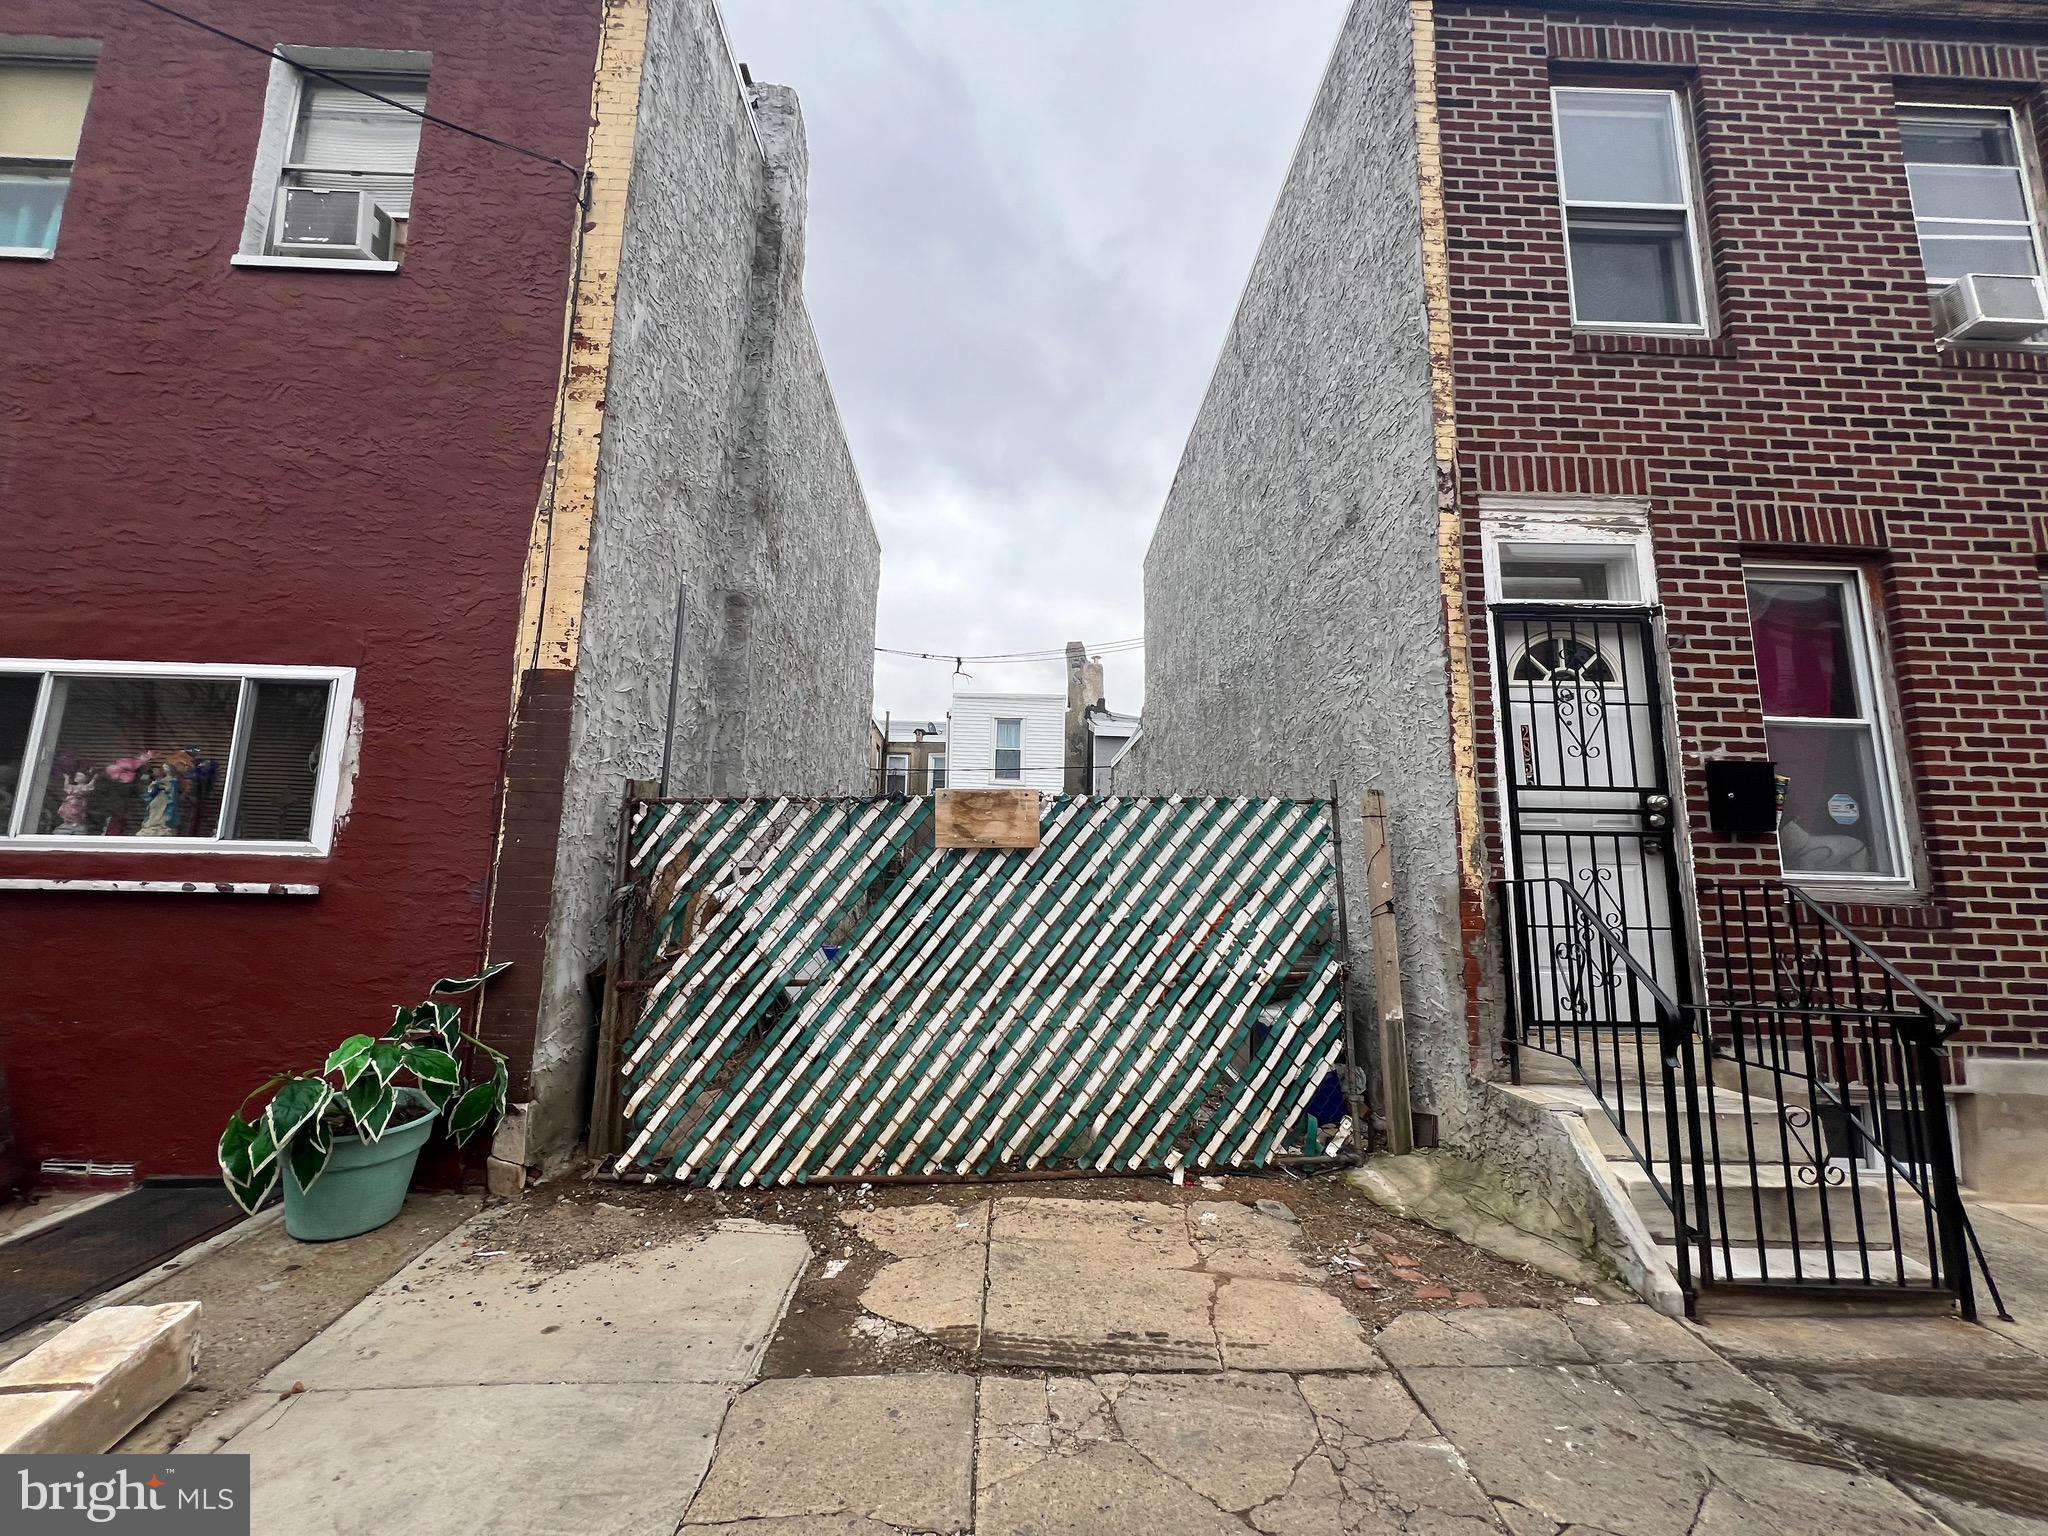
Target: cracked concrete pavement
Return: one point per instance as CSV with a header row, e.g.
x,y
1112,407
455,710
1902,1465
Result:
x,y
1124,1366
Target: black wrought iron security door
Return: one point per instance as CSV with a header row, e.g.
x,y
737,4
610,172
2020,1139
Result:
x,y
1588,793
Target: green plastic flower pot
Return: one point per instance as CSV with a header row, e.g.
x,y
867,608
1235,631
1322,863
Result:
x,y
365,1181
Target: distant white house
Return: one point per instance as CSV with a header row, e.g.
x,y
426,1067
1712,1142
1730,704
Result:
x,y
1109,737
1007,741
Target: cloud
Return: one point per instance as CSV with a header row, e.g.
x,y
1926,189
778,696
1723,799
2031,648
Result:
x,y
1030,221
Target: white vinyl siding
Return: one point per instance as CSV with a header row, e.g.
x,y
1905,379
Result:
x,y
971,740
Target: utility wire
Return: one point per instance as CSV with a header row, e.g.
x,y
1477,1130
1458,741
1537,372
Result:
x,y
1108,648
350,85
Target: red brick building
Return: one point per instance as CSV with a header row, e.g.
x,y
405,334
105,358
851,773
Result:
x,y
1690,258
1630,455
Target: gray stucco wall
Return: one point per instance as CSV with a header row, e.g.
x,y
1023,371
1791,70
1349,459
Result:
x,y
724,475
1293,620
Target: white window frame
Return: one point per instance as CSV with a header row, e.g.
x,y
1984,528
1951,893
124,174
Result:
x,y
1695,218
935,771
1536,522
326,793
2024,150
57,53
1874,687
282,102
896,766
997,749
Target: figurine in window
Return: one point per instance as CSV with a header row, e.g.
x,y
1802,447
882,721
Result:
x,y
78,788
160,796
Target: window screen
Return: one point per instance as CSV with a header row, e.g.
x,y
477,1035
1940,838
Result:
x,y
1009,749
1815,669
42,112
1970,198
1624,164
92,755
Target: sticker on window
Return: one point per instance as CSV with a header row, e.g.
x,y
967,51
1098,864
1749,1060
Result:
x,y
1844,810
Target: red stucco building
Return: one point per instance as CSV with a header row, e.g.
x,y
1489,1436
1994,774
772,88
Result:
x,y
298,607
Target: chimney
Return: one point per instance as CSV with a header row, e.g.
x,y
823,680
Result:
x,y
1084,690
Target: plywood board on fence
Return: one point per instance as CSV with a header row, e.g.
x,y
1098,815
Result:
x,y
986,818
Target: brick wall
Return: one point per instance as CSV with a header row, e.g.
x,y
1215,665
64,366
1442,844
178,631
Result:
x,y
1820,420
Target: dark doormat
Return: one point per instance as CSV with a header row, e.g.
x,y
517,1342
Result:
x,y
49,1271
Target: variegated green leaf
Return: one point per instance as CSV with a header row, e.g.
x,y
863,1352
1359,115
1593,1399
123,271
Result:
x,y
350,1058
432,1066
296,1103
251,1192
385,1060
263,1147
308,1153
472,1112
438,1094
455,986
235,1161
377,1117
364,1097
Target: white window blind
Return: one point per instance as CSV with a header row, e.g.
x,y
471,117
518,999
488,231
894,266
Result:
x,y
347,140
42,110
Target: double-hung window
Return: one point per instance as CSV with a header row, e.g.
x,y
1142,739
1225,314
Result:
x,y
42,113
349,143
1824,722
896,777
1631,215
1973,202
937,768
1009,751
160,755
333,179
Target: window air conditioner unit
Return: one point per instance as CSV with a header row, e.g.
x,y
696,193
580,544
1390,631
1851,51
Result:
x,y
1985,309
345,225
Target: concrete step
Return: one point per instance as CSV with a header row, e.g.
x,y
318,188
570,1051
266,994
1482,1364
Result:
x,y
1741,1202
1735,1127
1775,1265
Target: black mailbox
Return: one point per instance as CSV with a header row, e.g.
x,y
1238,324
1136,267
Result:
x,y
1742,796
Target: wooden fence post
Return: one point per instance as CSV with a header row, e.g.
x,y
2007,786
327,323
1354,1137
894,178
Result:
x,y
1386,960
607,1127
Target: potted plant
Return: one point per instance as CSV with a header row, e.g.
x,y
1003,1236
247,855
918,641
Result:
x,y
344,1140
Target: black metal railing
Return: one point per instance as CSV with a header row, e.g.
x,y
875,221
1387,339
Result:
x,y
1805,1137
1580,994
1826,1109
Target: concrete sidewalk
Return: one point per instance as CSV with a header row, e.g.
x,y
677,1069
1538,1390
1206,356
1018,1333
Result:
x,y
1039,1363
474,1392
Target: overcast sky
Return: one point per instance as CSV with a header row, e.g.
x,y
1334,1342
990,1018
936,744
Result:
x,y
1030,221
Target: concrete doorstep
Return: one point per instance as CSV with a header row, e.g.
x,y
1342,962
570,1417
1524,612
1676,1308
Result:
x,y
82,1391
